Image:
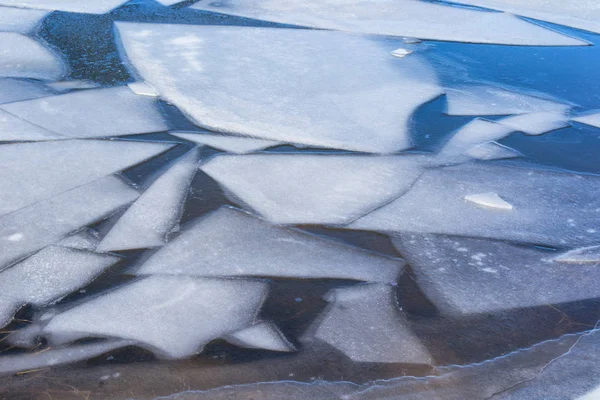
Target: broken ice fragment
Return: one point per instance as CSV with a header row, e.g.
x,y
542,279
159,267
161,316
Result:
x,y
536,123
231,144
319,189
353,97
232,243
15,129
86,239
489,200
90,7
65,86
589,119
12,89
24,57
143,89
264,335
20,20
584,255
400,53
148,221
491,151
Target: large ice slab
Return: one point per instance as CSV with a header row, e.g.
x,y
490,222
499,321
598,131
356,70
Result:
x,y
364,322
320,189
553,208
332,90
416,19
264,335
35,171
536,123
20,20
77,6
92,113
232,243
231,144
24,57
172,315
148,221
589,119
15,129
12,89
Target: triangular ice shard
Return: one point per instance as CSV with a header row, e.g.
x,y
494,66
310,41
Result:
x,y
24,57
12,89
93,113
231,144
319,189
536,123
590,119
412,18
148,221
583,255
489,200
365,323
20,20
142,89
264,335
15,129
173,315
86,239
232,243
491,151
300,86
90,7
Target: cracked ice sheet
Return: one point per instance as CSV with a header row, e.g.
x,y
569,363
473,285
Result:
x,y
15,129
467,276
86,239
92,113
229,242
319,189
552,208
231,144
24,57
20,20
77,6
167,314
12,90
536,123
317,88
415,19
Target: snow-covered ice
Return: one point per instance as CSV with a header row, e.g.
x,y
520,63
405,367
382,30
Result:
x,y
231,144
20,20
77,6
24,57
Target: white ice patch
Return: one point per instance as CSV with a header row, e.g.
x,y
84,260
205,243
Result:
x,y
489,200
232,243
15,129
142,89
584,255
491,151
12,89
77,6
20,20
319,189
264,335
24,57
401,53
231,144
86,239
536,123
65,86
590,119
318,88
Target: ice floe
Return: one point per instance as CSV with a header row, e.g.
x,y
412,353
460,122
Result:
x,y
584,255
15,129
77,6
264,335
491,151
320,189
20,20
489,200
536,123
231,144
590,119
412,18
333,90
12,89
24,57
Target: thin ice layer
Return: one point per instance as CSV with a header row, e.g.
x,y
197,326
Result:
x,y
93,113
264,335
65,86
24,57
231,144
417,19
85,239
15,129
536,123
232,243
489,200
148,221
582,255
77,6
318,88
45,222
472,276
590,119
12,89
320,189
491,151
20,20
63,165
364,323
173,315
553,208
47,276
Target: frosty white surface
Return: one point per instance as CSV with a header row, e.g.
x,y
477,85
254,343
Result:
x,y
552,208
231,144
590,119
491,151
143,89
232,243
489,200
318,88
116,111
148,221
78,6
12,89
20,20
264,335
24,57
65,86
536,123
167,314
583,255
364,322
85,239
320,189
15,129
417,19
63,165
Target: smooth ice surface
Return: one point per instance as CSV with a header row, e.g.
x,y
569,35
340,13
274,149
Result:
x,y
320,189
489,200
24,57
232,243
92,113
364,322
468,276
148,221
491,151
319,88
264,335
231,144
63,165
175,315
591,119
15,129
550,208
20,20
47,276
47,221
489,100
78,6
412,18
536,123
584,255
142,89
12,89
86,239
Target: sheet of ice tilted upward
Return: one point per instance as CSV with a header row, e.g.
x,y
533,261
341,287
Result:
x,y
552,208
45,222
78,6
364,322
232,144
15,129
410,18
24,57
319,88
47,276
467,276
232,243
92,113
304,189
536,123
85,239
36,171
20,20
264,335
148,221
591,119
174,315
12,89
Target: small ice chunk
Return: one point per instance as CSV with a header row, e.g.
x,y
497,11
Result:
x,y
489,200
175,316
15,129
364,322
264,335
169,2
490,100
12,89
589,119
401,53
491,151
143,89
148,221
24,57
65,86
231,144
76,6
536,123
20,20
86,239
583,255
319,189
92,113
232,243
333,90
